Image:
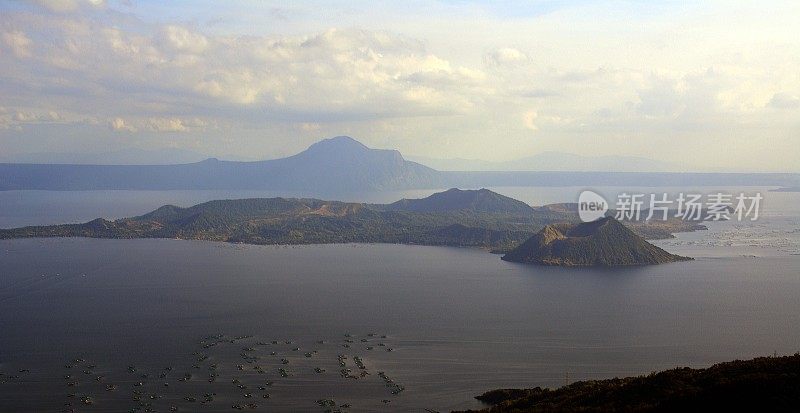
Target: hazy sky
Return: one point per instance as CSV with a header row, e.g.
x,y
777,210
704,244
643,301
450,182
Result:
x,y
715,85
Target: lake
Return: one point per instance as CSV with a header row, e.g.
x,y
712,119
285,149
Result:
x,y
117,315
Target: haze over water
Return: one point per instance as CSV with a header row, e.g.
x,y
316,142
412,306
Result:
x,y
460,321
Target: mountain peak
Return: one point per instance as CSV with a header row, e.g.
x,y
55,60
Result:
x,y
336,165
343,142
343,162
469,191
604,242
476,200
549,234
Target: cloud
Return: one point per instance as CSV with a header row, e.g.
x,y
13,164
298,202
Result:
x,y
62,6
359,73
505,56
356,71
181,40
627,79
118,124
233,86
537,93
310,127
692,96
24,117
784,101
27,116
529,120
157,124
18,42
167,125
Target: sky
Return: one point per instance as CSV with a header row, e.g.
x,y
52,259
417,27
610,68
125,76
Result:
x,y
709,85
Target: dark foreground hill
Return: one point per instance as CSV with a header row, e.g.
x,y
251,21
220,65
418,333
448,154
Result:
x,y
766,384
605,242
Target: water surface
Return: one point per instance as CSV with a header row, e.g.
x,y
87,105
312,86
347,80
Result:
x,y
459,321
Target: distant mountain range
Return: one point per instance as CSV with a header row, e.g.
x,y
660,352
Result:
x,y
605,242
337,166
545,161
331,165
554,161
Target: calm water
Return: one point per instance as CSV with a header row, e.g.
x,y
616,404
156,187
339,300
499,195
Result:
x,y
459,321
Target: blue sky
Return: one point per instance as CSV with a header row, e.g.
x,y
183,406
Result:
x,y
672,81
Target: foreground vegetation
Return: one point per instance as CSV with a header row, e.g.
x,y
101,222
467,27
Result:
x,y
766,384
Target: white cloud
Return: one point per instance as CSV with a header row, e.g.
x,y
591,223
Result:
x,y
359,73
58,5
18,42
234,86
36,116
182,40
119,124
24,117
529,120
167,125
505,56
425,82
310,127
157,124
68,5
